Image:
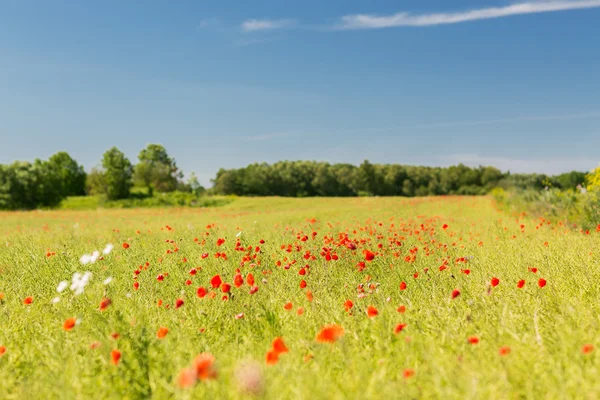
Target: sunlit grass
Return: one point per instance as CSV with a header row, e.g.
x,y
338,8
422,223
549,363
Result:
x,y
544,328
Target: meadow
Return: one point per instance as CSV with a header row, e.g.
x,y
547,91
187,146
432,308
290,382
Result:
x,y
315,298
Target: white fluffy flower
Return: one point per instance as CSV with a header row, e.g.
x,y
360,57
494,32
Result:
x,y
80,281
108,280
85,259
62,286
95,256
108,249
239,234
55,300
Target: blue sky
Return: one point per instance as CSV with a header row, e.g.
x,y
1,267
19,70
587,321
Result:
x,y
227,83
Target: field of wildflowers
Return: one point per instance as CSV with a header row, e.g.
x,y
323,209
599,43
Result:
x,y
441,297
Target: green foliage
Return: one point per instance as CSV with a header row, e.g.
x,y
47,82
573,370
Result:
x,y
117,172
306,178
25,186
593,180
156,170
71,176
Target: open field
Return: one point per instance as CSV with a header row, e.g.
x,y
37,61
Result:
x,y
434,265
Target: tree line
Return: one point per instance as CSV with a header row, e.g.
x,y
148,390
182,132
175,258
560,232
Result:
x,y
310,178
29,185
45,183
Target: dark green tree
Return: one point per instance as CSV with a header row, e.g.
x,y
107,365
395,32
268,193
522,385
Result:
x,y
117,173
156,170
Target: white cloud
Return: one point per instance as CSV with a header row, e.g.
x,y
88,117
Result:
x,y
254,25
371,21
207,23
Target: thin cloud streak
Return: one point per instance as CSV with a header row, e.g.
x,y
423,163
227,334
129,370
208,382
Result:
x,y
371,21
255,25
475,123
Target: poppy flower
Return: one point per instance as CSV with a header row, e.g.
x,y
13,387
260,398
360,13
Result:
x,y
178,303
330,334
205,368
279,346
401,309
187,378
2,350
309,295
473,339
69,324
302,284
28,300
288,306
402,285
225,287
587,348
348,305
215,281
104,304
115,356
455,293
272,357
399,328
201,292
495,281
504,351
369,255
250,280
541,282
162,332
125,245
300,310
372,311
408,373
238,280
521,284
253,289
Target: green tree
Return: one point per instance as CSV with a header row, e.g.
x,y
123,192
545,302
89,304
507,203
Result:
x,y
71,175
156,170
117,173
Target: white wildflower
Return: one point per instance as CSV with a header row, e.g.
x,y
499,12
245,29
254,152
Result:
x,y
95,256
239,234
85,259
128,295
109,247
55,300
107,280
80,281
62,286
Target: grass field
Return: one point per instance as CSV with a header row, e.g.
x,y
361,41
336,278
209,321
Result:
x,y
420,326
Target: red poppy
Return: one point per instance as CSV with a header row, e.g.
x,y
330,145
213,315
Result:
x,y
28,300
348,305
115,356
473,339
587,348
495,281
125,245
369,255
279,346
69,324
201,292
402,285
330,334
455,293
288,306
541,282
399,328
104,304
520,284
225,287
372,311
302,284
504,350
408,373
178,303
162,332
216,281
